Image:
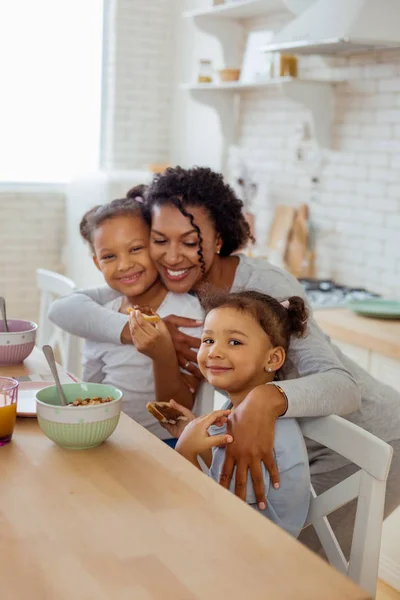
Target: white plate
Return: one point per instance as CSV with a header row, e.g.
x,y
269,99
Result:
x,y
26,404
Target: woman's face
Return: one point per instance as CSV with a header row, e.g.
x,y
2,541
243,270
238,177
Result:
x,y
174,246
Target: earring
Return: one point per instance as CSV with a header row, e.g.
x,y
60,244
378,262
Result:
x,y
218,250
269,370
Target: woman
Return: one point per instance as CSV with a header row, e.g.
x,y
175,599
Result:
x,y
197,224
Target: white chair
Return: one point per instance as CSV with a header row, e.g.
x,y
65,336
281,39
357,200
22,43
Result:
x,y
53,285
373,456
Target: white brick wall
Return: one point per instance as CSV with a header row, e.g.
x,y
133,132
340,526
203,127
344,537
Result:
x,y
32,236
356,205
138,87
138,83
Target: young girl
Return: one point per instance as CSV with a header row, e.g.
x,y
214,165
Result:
x,y
244,344
118,237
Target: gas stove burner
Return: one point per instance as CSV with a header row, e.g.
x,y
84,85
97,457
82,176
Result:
x,y
318,284
325,293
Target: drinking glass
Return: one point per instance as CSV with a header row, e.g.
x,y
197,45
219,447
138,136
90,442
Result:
x,y
8,408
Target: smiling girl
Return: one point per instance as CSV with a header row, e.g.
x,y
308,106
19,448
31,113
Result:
x,y
245,340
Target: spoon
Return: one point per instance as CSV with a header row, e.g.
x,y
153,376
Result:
x,y
3,313
49,354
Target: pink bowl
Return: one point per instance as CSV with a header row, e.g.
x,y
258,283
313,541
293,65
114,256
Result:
x,y
18,342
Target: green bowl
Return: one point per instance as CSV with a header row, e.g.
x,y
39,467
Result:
x,y
80,427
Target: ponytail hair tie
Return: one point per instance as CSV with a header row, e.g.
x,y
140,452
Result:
x,y
285,304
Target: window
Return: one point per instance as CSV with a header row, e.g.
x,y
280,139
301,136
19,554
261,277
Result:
x,y
50,88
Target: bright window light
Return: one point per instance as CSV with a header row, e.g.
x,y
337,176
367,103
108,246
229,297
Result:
x,y
50,88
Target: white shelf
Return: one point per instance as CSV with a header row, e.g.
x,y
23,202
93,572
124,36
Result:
x,y
237,10
235,86
332,47
315,95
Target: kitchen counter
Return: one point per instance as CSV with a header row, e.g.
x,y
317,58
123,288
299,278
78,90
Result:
x,y
379,335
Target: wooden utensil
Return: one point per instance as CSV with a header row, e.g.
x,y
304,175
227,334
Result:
x,y
281,228
49,354
297,247
3,313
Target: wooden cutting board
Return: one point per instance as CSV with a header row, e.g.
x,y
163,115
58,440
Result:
x,y
297,247
280,229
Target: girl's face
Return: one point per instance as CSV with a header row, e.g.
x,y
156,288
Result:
x,y
174,246
235,351
122,254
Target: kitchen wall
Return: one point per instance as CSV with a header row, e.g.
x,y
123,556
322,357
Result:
x,y
356,205
138,65
31,236
36,220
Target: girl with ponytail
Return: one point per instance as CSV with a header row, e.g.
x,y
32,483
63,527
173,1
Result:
x,y
245,340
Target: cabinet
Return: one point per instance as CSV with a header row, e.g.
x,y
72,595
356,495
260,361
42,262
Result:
x,y
381,367
361,356
385,369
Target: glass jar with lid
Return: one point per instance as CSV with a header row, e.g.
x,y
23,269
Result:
x,y
206,71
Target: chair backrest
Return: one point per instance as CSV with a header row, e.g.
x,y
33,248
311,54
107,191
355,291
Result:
x,y
368,485
53,285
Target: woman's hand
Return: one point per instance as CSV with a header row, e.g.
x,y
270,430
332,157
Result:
x,y
184,343
176,430
151,339
195,439
252,425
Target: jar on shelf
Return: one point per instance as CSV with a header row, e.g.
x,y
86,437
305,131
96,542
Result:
x,y
286,65
206,71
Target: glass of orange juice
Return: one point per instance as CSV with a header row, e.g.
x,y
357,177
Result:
x,y
8,408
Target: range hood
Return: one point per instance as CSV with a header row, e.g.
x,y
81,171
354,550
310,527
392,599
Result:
x,y
341,26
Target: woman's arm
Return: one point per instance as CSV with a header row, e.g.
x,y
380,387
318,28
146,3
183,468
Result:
x,y
315,382
170,382
82,314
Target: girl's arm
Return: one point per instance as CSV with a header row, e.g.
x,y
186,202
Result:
x,y
195,440
82,314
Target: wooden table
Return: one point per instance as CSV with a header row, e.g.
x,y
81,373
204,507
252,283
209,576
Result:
x,y
133,520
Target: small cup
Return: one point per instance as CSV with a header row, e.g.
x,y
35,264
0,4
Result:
x,y
8,408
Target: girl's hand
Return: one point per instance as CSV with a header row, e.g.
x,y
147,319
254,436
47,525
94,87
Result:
x,y
184,343
151,339
176,430
195,439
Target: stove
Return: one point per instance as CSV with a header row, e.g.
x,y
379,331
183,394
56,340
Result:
x,y
325,293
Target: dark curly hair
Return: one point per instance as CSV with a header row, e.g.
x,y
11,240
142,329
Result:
x,y
91,220
278,321
202,187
